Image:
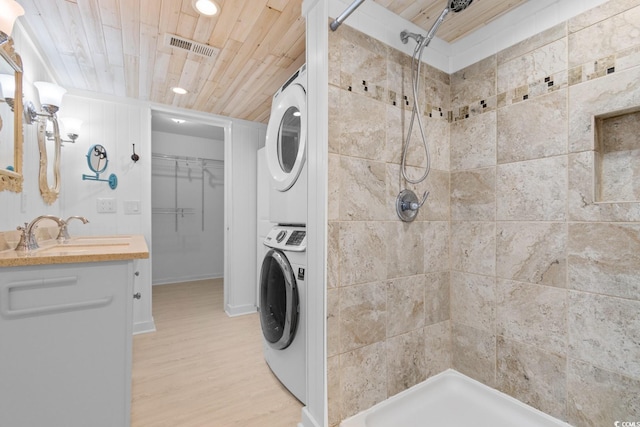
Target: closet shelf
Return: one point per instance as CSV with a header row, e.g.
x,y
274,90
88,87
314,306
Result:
x,y
174,211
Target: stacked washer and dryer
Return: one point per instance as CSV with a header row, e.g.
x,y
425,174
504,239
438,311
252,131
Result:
x,y
281,283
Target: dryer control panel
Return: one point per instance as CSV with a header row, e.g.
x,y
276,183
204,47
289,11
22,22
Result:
x,y
287,238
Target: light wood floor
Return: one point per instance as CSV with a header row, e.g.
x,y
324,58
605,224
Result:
x,y
202,368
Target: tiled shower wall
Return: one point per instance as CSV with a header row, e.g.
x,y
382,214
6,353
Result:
x,y
388,296
544,281
512,274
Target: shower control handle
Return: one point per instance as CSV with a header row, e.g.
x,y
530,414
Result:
x,y
415,206
408,205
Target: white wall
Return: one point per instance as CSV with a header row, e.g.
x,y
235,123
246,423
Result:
x,y
183,250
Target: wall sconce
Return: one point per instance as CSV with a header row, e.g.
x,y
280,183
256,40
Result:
x,y
72,127
50,99
10,12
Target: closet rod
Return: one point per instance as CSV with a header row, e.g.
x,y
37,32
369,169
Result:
x,y
185,158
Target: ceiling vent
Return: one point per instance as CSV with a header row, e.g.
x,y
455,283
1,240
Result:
x,y
171,40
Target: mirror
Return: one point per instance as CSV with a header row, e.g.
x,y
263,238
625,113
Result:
x,y
11,120
49,176
97,161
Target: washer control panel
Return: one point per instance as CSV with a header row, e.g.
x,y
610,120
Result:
x,y
287,238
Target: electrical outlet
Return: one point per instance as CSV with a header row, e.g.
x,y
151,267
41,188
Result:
x,y
106,205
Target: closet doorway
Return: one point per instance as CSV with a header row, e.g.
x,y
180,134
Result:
x,y
187,199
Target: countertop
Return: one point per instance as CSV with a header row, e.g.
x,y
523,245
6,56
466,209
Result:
x,y
79,250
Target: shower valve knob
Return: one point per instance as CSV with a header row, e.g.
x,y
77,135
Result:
x,y
408,205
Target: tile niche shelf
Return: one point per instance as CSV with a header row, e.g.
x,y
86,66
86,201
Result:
x,y
618,157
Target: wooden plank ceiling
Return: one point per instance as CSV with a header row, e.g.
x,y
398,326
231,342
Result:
x,y
117,47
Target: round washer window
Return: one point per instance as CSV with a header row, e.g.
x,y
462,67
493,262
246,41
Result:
x,y
289,139
278,300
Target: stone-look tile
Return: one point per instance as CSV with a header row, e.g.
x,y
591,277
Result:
x,y
363,254
534,190
532,314
362,126
363,189
367,68
605,331
532,43
405,304
335,119
435,238
437,348
545,61
533,376
406,364
436,208
474,353
599,13
363,315
589,44
333,258
437,297
405,249
436,131
333,322
473,142
599,398
475,82
333,390
533,252
582,206
533,129
615,92
605,258
363,378
333,188
335,55
473,195
473,300
473,247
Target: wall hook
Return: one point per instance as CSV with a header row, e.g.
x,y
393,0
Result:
x,y
134,156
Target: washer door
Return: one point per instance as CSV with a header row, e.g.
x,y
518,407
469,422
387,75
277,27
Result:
x,y
287,137
278,300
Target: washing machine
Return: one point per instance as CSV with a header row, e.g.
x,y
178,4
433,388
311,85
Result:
x,y
285,151
282,307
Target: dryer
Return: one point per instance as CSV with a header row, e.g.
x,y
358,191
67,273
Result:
x,y
282,307
285,151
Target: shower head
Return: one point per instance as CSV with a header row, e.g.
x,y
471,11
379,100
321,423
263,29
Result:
x,y
423,41
459,5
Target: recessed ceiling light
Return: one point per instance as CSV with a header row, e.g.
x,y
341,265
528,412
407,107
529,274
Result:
x,y
179,90
206,7
178,121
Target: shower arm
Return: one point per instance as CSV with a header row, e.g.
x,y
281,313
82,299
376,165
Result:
x,y
344,15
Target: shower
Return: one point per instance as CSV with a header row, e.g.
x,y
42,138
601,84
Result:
x,y
407,203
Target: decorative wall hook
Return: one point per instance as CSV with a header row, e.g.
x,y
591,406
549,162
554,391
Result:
x,y
134,156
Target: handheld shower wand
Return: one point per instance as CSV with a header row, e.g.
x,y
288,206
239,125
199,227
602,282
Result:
x,y
407,203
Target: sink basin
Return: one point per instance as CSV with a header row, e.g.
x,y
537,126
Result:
x,y
68,249
98,241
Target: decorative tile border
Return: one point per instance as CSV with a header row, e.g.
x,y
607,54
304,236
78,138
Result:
x,y
576,75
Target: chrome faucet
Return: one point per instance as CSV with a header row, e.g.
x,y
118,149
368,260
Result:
x,y
28,241
63,235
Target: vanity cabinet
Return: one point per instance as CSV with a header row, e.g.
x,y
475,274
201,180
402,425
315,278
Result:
x,y
65,344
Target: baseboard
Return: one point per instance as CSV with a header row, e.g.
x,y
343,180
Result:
x,y
308,420
171,281
144,327
239,310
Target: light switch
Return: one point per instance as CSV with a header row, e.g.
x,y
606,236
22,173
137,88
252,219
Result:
x,y
132,207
